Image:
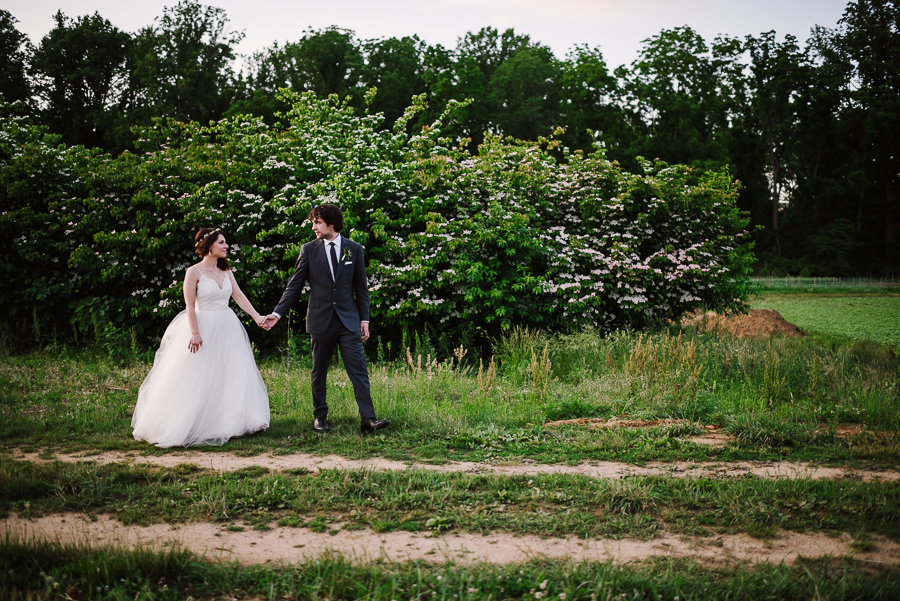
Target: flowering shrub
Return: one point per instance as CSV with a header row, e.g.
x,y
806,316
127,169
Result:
x,y
522,233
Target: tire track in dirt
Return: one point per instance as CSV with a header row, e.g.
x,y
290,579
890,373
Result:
x,y
292,545
229,462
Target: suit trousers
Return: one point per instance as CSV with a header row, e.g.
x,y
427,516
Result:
x,y
350,344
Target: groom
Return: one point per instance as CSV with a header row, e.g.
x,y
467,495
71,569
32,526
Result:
x,y
334,316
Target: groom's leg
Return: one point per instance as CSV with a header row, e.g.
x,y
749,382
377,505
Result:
x,y
355,364
322,347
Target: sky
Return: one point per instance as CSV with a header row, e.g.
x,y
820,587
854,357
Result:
x,y
617,27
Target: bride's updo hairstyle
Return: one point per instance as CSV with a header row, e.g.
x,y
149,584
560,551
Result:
x,y
204,240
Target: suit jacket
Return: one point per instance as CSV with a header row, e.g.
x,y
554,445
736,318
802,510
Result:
x,y
347,294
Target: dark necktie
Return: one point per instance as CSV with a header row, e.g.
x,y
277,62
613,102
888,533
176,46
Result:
x,y
334,262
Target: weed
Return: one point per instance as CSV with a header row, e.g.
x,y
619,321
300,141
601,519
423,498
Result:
x,y
539,374
774,383
252,471
486,378
318,525
291,521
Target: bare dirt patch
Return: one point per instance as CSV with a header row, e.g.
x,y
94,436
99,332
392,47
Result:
x,y
296,544
757,323
228,462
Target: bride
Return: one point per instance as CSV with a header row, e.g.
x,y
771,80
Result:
x,y
204,387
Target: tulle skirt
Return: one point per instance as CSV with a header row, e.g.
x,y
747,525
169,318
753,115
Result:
x,y
202,398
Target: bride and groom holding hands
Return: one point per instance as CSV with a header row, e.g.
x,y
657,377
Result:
x,y
205,388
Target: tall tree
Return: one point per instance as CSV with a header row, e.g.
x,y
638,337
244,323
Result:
x,y
586,101
441,81
477,57
779,80
677,107
823,224
869,36
79,73
524,91
16,51
394,66
183,65
327,61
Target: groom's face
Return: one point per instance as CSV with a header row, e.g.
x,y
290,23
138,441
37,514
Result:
x,y
322,229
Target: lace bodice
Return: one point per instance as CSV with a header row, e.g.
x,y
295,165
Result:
x,y
209,296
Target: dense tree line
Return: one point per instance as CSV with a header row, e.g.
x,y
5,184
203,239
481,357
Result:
x,y
809,129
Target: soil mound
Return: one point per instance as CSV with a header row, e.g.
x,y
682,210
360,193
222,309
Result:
x,y
759,323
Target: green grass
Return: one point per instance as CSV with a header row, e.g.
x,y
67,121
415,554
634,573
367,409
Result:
x,y
38,571
779,399
874,317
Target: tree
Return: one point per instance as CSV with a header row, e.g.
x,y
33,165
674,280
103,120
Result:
x,y
586,92
779,80
675,101
79,72
327,61
868,35
394,66
476,58
823,223
16,50
182,65
524,91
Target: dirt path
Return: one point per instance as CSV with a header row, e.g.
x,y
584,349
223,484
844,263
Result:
x,y
228,462
295,544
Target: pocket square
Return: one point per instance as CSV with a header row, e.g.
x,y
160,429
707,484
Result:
x,y
348,262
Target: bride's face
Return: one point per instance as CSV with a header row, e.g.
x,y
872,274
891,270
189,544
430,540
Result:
x,y
219,248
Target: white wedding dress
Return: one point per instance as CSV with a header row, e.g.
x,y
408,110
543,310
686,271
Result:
x,y
207,397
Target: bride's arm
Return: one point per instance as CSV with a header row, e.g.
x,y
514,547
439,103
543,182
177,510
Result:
x,y
191,276
243,302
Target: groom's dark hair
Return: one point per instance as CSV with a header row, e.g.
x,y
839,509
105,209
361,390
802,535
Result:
x,y
330,214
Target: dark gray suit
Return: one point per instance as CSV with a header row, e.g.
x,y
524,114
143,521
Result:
x,y
336,306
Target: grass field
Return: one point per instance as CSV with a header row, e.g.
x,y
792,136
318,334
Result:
x,y
871,316
779,399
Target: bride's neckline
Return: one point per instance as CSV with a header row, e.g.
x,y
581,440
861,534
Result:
x,y
225,277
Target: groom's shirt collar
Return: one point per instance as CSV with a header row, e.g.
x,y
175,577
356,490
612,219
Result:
x,y
337,245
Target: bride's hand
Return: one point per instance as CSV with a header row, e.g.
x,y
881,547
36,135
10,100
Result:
x,y
195,343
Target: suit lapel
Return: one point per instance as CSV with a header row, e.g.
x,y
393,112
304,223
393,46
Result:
x,y
323,258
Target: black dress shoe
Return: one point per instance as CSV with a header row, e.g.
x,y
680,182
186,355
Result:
x,y
320,424
370,425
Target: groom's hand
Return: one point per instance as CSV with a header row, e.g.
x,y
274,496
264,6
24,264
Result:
x,y
270,321
364,330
